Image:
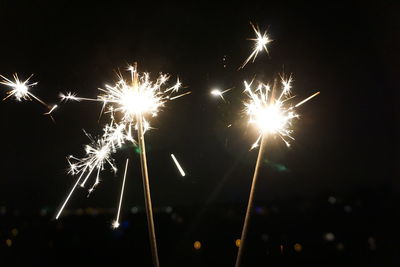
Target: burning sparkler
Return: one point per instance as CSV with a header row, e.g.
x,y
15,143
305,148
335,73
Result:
x,y
134,100
271,115
260,44
20,91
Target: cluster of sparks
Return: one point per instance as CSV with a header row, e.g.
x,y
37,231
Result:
x,y
260,44
133,100
20,91
272,114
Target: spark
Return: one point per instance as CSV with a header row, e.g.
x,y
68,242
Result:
x,y
270,114
178,96
176,87
115,224
217,92
98,153
305,100
72,96
51,110
260,45
178,165
20,90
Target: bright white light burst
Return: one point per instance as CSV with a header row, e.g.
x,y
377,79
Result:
x,y
140,96
219,93
270,114
260,45
20,91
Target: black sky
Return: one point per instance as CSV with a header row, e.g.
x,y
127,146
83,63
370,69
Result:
x,y
345,140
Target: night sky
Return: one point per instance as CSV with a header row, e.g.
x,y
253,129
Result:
x,y
346,139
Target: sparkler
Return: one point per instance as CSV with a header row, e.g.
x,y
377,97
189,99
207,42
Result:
x,y
271,115
134,100
260,44
20,91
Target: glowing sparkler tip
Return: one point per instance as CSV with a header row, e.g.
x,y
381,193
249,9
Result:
x,y
270,113
20,89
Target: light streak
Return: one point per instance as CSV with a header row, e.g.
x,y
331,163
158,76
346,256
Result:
x,y
51,110
115,224
178,96
219,93
305,100
178,165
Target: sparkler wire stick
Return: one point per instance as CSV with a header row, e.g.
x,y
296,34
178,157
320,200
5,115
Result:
x,y
250,202
145,178
147,195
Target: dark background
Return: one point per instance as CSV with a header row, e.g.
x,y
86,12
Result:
x,y
338,177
